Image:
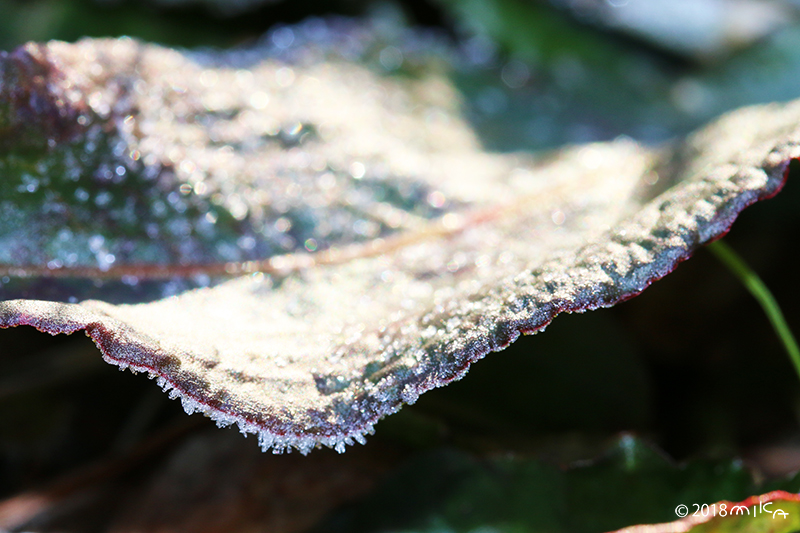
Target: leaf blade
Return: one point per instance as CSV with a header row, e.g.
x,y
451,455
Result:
x,y
314,348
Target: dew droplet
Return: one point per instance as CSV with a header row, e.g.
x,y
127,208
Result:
x,y
282,37
96,242
357,170
283,225
105,260
284,77
208,78
391,58
103,199
436,199
515,74
259,100
246,242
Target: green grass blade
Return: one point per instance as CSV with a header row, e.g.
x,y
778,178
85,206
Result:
x,y
762,294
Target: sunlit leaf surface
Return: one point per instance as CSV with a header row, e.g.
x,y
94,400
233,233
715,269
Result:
x,y
349,243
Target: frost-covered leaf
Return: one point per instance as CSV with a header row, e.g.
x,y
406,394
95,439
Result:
x,y
354,245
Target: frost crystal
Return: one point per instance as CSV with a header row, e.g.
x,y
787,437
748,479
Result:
x,y
357,245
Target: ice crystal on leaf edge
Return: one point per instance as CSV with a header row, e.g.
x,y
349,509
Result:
x,y
314,342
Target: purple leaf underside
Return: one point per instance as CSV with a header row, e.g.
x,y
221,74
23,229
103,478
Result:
x,y
372,249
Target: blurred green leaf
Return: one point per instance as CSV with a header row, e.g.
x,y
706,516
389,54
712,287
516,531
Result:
x,y
448,490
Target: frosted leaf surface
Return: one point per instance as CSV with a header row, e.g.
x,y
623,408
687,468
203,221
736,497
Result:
x,y
359,246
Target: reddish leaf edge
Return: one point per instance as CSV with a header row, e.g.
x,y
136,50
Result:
x,y
684,525
278,435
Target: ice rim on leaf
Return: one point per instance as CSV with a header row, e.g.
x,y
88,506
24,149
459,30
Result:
x,y
353,243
